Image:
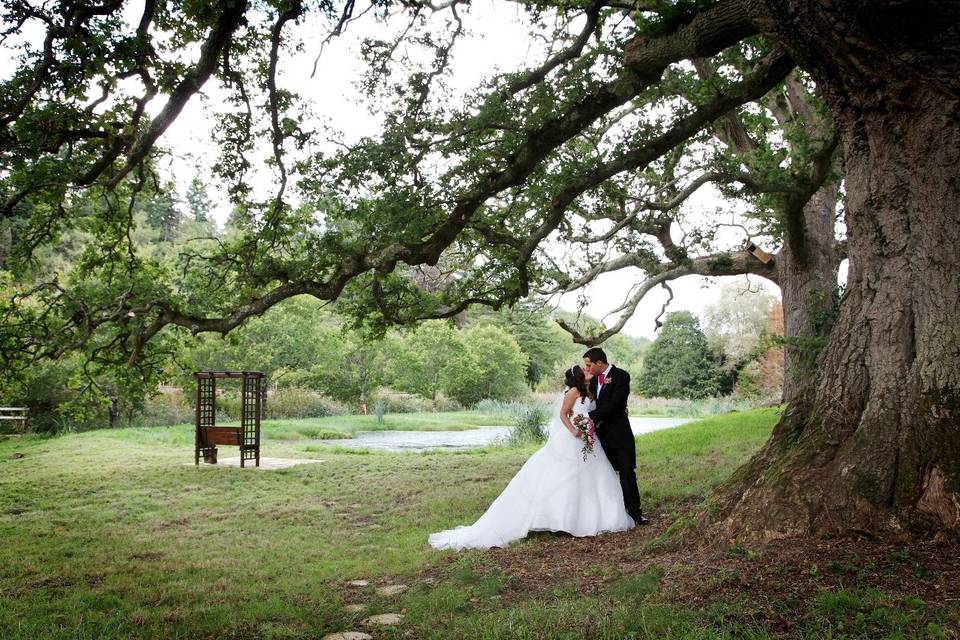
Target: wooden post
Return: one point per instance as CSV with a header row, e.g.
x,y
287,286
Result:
x,y
196,423
759,253
261,389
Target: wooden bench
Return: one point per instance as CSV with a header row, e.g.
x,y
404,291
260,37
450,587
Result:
x,y
13,420
224,434
210,437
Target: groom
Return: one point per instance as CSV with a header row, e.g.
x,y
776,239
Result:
x,y
611,386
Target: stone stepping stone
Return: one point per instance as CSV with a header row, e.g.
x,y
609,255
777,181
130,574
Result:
x,y
354,608
348,635
391,590
358,583
384,619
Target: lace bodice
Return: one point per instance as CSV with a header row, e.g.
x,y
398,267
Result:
x,y
557,431
584,406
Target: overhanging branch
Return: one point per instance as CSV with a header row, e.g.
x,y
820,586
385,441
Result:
x,y
720,264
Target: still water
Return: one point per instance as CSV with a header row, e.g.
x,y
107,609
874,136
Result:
x,y
469,439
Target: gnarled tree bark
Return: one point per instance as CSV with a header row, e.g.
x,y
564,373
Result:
x,y
806,288
874,445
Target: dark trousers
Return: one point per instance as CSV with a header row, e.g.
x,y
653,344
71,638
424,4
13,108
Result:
x,y
622,456
631,494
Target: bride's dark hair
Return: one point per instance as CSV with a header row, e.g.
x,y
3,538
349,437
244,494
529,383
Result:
x,y
574,379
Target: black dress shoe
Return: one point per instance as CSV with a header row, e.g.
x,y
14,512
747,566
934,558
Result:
x,y
639,520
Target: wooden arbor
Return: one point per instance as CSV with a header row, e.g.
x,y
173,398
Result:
x,y
246,435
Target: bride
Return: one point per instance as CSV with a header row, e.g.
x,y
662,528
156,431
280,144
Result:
x,y
555,490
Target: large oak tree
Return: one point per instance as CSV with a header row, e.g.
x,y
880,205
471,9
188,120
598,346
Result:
x,y
480,187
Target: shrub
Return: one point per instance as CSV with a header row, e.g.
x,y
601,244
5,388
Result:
x,y
168,407
400,402
640,406
380,410
294,402
502,407
443,403
750,380
298,432
54,404
282,404
529,426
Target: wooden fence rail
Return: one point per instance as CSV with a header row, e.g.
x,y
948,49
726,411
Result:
x,y
13,420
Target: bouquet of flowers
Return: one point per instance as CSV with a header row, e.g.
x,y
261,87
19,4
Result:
x,y
587,432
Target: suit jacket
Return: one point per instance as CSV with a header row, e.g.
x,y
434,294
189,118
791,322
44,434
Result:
x,y
610,416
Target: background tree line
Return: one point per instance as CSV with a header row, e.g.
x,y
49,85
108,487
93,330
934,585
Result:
x,y
303,343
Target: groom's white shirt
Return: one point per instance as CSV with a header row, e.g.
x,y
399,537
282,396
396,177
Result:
x,y
606,372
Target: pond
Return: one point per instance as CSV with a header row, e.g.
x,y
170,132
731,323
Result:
x,y
469,439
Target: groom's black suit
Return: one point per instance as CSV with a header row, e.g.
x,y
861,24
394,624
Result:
x,y
613,430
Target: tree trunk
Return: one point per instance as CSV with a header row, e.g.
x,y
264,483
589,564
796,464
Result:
x,y
807,287
113,411
874,445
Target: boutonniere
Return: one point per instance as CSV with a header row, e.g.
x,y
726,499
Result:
x,y
608,380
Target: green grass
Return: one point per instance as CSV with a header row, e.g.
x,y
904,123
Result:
x,y
702,408
868,613
115,534
716,446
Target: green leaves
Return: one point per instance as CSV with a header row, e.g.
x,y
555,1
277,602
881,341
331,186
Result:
x,y
492,366
457,200
679,363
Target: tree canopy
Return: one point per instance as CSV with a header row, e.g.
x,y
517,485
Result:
x,y
539,154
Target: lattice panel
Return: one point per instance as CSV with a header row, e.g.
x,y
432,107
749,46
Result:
x,y
249,410
207,401
251,418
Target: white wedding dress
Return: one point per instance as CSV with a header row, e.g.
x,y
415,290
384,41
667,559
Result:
x,y
555,490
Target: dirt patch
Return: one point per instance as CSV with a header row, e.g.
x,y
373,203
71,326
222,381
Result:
x,y
780,581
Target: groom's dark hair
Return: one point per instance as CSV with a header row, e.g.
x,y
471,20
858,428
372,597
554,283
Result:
x,y
595,354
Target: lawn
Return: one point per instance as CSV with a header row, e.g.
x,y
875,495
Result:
x,y
115,534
